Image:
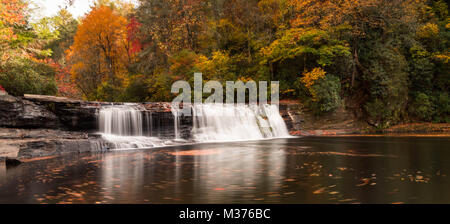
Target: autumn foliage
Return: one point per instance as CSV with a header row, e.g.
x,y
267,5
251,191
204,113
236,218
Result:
x,y
11,14
386,60
101,51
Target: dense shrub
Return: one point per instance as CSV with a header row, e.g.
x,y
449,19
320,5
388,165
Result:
x,y
442,108
386,79
326,93
136,91
108,92
422,107
21,76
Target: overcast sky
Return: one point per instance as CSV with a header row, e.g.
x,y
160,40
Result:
x,y
45,8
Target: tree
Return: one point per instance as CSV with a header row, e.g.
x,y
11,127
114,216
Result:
x,y
169,26
21,76
374,57
24,67
99,52
65,27
12,13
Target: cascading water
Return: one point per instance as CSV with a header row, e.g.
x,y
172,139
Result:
x,y
129,126
123,120
228,122
122,126
176,124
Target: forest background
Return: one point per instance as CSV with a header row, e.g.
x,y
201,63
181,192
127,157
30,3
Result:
x,y
385,60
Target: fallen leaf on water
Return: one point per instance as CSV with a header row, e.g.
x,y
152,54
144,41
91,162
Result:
x,y
77,195
109,197
320,191
365,181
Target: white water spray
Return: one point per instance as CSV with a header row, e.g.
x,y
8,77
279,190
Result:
x,y
228,122
176,120
122,126
122,120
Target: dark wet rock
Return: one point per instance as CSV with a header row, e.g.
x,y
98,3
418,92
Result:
x,y
20,113
301,121
42,148
31,143
72,114
11,162
24,134
292,116
163,124
35,111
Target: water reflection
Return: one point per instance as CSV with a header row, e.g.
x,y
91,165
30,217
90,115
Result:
x,y
303,170
213,174
2,173
249,168
122,175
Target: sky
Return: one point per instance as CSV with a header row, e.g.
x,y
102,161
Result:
x,y
46,8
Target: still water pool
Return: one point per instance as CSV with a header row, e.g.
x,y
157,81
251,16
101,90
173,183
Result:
x,y
295,170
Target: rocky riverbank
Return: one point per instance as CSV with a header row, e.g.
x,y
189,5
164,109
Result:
x,y
40,126
30,143
302,122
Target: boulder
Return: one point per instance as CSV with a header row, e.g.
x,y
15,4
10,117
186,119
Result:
x,y
43,148
19,113
72,114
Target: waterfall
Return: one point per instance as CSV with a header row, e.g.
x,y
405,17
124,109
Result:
x,y
177,122
125,126
228,122
149,120
129,126
123,120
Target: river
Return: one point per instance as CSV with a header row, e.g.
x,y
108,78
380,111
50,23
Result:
x,y
292,170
